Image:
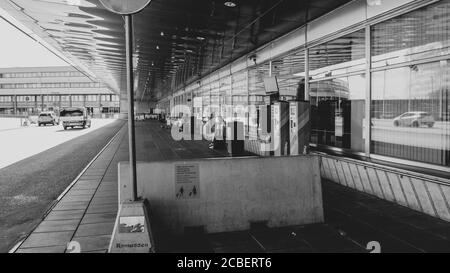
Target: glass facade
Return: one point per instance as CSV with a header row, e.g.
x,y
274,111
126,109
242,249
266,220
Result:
x,y
392,103
41,74
50,85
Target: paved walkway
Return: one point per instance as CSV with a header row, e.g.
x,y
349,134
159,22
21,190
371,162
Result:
x,y
87,212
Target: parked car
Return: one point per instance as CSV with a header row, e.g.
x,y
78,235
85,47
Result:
x,y
45,118
75,116
414,119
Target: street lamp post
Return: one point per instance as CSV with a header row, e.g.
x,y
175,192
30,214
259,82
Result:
x,y
134,209
130,93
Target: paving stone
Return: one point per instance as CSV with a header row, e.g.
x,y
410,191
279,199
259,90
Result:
x,y
104,200
107,194
65,215
95,229
81,192
75,198
57,225
91,218
85,186
97,251
93,243
102,208
49,249
70,206
47,239
96,178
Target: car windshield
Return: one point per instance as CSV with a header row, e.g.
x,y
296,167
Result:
x,y
71,113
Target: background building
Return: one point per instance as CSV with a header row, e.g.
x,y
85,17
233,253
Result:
x,y
31,90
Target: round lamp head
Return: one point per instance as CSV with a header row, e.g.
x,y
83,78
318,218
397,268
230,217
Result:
x,y
125,7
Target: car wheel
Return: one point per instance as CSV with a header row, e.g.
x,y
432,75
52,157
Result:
x,y
396,123
430,125
65,127
415,124
39,124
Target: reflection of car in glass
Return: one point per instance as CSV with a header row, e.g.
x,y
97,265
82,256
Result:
x,y
414,119
45,118
74,116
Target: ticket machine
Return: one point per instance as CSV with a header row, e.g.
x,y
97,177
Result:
x,y
299,127
280,128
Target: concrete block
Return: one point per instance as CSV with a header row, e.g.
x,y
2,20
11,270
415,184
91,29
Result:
x,y
231,193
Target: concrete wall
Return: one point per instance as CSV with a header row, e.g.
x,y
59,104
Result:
x,y
427,194
232,193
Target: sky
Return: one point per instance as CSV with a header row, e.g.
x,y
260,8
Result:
x,y
19,50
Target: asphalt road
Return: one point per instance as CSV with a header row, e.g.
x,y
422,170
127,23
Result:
x,y
29,186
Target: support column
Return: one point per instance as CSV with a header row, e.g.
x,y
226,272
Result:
x,y
123,104
130,96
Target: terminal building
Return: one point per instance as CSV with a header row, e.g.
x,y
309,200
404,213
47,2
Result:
x,y
376,75
362,85
31,90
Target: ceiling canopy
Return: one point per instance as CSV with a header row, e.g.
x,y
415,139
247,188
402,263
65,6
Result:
x,y
174,40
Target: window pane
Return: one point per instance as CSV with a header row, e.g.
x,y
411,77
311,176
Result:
x,y
337,108
290,73
415,35
410,113
343,55
256,77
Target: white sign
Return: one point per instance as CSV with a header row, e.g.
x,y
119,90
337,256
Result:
x,y
131,224
187,181
125,7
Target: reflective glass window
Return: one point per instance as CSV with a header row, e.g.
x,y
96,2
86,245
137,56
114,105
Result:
x,y
420,34
411,113
337,57
337,107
